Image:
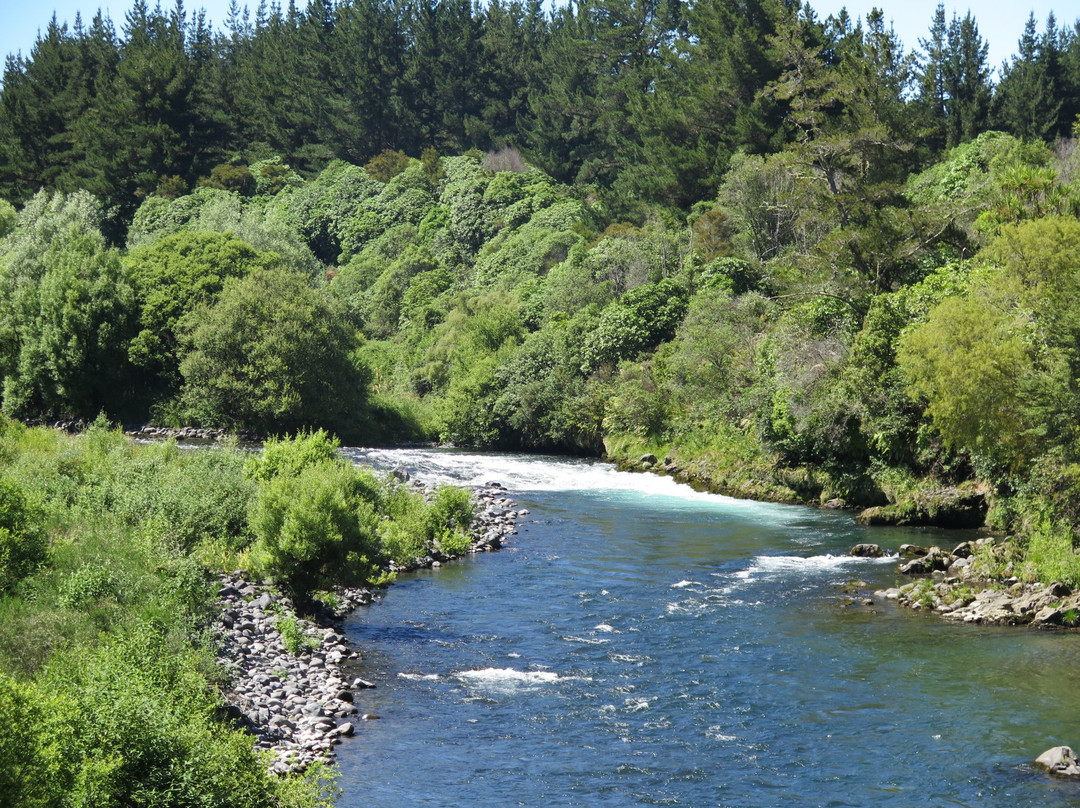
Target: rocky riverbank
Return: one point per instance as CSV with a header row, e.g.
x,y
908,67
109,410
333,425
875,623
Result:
x,y
977,582
290,680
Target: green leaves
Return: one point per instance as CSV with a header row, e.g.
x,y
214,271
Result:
x,y
272,355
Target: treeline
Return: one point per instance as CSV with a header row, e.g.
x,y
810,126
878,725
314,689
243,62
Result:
x,y
645,100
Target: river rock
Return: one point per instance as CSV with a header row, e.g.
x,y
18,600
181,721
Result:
x,y
935,559
867,551
1060,761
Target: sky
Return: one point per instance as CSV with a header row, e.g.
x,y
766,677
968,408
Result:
x,y
1000,21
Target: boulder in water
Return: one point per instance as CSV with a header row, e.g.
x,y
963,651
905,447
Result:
x,y
867,551
1061,761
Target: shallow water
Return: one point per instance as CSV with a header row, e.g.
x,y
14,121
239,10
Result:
x,y
639,643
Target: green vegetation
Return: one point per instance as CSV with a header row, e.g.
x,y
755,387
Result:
x,y
108,681
780,253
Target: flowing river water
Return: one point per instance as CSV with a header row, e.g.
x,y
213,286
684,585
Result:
x,y
639,643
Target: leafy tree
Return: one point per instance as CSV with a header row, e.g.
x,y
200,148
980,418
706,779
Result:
x,y
66,307
969,361
173,278
644,317
272,354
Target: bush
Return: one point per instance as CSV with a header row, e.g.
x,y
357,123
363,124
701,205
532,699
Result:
x,y
317,527
289,456
23,544
273,354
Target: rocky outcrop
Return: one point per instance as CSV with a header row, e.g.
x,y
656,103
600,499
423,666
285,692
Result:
x,y
974,583
961,506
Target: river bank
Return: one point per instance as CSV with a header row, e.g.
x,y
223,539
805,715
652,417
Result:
x,y
293,682
981,582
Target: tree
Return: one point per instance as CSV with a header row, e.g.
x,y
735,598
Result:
x,y
1028,99
273,354
954,80
173,278
66,309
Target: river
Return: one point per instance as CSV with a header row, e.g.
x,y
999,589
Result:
x,y
639,643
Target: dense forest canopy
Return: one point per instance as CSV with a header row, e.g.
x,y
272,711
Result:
x,y
646,101
795,256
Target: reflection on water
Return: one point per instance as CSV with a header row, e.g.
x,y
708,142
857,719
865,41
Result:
x,y
642,644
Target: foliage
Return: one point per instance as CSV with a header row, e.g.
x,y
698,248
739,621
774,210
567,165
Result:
x,y
642,318
318,525
272,354
23,543
174,277
65,310
288,456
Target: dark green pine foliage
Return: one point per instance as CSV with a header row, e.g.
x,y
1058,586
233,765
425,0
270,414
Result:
x,y
44,96
145,125
967,82
368,54
444,74
706,98
597,63
280,100
1027,103
514,40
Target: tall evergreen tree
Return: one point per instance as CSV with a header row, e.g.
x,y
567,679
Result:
x,y
1027,102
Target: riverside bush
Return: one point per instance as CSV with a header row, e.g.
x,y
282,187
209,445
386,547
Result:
x,y
23,544
1050,555
317,526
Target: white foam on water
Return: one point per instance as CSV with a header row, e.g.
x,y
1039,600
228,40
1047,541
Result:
x,y
585,640
522,472
605,628
508,680
717,734
782,566
419,677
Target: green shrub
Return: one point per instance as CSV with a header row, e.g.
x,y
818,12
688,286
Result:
x,y
318,527
454,541
1050,555
451,508
23,544
291,455
293,636
32,756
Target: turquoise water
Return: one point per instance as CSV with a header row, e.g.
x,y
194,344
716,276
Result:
x,y
642,644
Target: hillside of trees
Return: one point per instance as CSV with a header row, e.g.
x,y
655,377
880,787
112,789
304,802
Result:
x,y
804,261
786,249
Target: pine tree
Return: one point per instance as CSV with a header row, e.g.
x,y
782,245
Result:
x,y
1027,103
